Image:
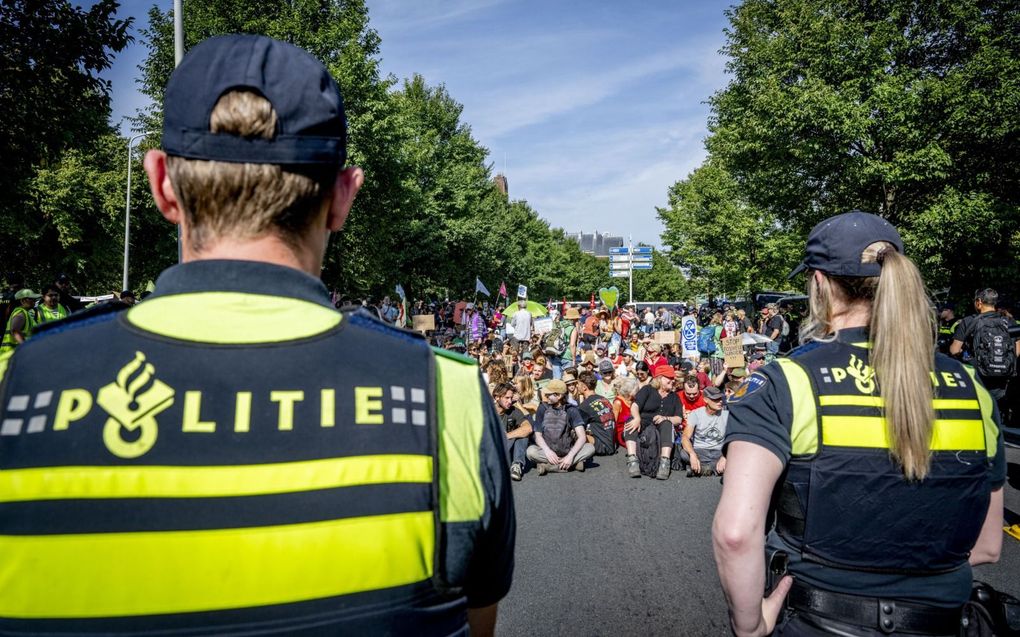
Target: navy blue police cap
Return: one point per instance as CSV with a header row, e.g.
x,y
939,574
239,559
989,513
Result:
x,y
835,245
311,126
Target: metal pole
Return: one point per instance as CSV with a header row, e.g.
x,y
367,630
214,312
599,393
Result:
x,y
178,31
178,54
127,211
630,275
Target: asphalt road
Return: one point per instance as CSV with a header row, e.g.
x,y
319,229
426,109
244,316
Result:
x,y
602,554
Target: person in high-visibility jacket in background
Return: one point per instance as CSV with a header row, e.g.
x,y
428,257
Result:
x,y
880,461
235,456
22,321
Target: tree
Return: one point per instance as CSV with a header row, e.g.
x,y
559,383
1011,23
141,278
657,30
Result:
x,y
903,108
55,109
730,246
664,282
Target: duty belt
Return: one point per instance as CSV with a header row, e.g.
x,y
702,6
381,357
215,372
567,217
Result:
x,y
886,615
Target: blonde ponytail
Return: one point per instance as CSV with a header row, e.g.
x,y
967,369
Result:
x,y
903,357
902,332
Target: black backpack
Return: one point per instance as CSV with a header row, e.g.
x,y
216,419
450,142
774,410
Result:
x,y
649,451
557,431
992,347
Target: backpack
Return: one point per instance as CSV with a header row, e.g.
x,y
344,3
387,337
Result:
x,y
557,431
785,331
994,355
553,342
648,451
706,339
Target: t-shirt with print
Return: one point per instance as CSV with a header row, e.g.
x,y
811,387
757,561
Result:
x,y
709,429
597,413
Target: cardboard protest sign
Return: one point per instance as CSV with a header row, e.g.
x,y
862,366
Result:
x,y
666,338
543,325
733,351
423,322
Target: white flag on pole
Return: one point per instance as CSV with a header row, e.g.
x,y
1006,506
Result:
x,y
480,287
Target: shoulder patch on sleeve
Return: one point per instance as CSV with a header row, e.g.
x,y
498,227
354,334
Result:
x,y
752,384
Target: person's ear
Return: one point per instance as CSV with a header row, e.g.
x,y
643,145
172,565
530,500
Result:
x,y
159,184
345,188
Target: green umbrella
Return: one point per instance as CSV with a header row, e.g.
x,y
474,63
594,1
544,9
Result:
x,y
536,309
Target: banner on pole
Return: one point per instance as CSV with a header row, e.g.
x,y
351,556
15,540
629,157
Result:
x,y
689,336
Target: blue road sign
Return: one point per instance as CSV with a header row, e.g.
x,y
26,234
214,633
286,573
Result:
x,y
642,266
643,250
641,258
618,251
619,258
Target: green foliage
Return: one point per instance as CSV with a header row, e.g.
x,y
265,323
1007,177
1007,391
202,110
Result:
x,y
903,108
429,216
730,246
664,282
55,111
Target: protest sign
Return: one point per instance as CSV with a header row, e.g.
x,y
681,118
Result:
x,y
666,338
733,351
522,291
543,325
423,322
689,336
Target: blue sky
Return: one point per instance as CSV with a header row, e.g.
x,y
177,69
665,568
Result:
x,y
596,108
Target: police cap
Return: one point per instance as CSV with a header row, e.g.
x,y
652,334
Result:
x,y
311,126
835,245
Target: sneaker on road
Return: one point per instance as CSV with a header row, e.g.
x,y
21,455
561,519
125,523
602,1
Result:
x,y
663,471
543,468
516,472
633,468
579,466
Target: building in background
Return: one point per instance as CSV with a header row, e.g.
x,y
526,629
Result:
x,y
501,184
596,243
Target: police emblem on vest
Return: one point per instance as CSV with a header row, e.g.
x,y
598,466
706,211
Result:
x,y
841,462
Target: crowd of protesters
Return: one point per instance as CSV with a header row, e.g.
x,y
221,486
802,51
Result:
x,y
594,379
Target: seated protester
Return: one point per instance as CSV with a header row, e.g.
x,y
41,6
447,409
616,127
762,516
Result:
x,y
607,373
625,412
626,367
541,371
690,397
672,356
570,380
560,442
730,389
704,367
641,373
600,353
527,394
516,426
702,441
654,357
597,412
588,362
659,407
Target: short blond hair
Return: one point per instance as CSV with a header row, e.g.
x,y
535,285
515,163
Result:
x,y
242,200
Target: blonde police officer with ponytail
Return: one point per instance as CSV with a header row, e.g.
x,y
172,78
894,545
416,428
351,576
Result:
x,y
233,456
880,461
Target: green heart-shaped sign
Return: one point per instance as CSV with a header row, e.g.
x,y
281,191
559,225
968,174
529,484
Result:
x,y
609,296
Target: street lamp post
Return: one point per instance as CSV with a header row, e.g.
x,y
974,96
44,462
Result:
x,y
127,210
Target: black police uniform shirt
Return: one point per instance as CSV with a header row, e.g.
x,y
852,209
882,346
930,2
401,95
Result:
x,y
234,456
761,412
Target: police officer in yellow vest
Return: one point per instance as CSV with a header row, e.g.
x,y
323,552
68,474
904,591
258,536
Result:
x,y
880,461
51,309
21,322
233,456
